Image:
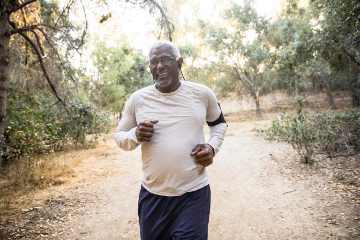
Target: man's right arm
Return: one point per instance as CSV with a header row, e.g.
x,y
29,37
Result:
x,y
125,135
126,140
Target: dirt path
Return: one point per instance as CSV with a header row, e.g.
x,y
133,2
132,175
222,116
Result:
x,y
252,197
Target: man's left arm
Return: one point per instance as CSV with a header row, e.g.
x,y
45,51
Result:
x,y
217,129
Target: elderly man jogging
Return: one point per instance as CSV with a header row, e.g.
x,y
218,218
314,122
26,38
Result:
x,y
167,120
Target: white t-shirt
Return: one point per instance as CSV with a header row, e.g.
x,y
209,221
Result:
x,y
168,168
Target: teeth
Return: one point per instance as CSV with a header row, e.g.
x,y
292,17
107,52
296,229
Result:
x,y
161,74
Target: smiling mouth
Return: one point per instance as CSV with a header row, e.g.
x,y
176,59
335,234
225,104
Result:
x,y
162,76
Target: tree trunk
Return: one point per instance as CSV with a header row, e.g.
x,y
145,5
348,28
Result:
x,y
258,110
328,92
255,95
4,74
356,97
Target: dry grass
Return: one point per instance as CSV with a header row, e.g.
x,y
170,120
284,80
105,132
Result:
x,y
23,178
20,177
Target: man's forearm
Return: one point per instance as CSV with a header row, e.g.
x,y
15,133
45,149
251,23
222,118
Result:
x,y
217,134
126,140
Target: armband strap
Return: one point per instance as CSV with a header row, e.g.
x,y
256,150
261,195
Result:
x,y
220,119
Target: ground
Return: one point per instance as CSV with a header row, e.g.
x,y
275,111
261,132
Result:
x,y
259,191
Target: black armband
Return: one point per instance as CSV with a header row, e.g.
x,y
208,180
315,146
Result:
x,y
220,119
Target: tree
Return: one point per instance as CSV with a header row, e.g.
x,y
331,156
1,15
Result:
x,y
120,71
339,39
299,66
8,28
244,60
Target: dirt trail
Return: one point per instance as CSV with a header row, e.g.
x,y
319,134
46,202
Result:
x,y
251,199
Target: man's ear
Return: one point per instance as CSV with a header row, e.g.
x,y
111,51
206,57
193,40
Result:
x,y
180,61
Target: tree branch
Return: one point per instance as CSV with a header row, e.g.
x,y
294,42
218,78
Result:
x,y
351,57
67,6
243,76
24,29
39,43
165,17
32,27
57,54
52,86
239,77
23,5
53,105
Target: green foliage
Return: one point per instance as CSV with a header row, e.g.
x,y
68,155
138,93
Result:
x,y
296,130
337,40
50,11
83,120
247,64
112,97
121,70
31,128
332,132
337,132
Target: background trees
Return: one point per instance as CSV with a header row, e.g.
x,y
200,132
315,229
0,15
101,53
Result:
x,y
79,71
339,41
248,62
33,44
54,103
306,48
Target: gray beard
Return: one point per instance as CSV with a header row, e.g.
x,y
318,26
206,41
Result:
x,y
163,83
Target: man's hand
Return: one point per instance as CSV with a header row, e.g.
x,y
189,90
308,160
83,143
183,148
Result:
x,y
145,130
204,154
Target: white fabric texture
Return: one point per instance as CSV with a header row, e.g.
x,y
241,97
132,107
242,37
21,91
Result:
x,y
168,168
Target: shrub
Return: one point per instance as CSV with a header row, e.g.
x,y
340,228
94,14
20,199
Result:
x,y
32,129
332,132
337,132
29,129
296,130
83,120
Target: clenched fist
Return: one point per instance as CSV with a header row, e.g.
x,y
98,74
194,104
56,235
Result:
x,y
204,154
145,130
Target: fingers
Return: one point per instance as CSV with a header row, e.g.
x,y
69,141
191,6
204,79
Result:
x,y
145,130
205,161
153,121
148,123
195,151
204,154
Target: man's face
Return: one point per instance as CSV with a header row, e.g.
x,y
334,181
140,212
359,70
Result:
x,y
166,75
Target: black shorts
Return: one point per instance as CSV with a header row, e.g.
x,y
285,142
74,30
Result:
x,y
184,217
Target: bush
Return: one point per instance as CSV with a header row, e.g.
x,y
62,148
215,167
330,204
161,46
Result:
x,y
296,130
332,132
29,129
83,120
32,129
337,132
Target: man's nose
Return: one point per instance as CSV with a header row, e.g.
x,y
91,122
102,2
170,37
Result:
x,y
160,65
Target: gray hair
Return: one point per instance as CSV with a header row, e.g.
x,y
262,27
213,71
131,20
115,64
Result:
x,y
175,49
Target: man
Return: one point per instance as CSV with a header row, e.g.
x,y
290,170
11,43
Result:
x,y
167,120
